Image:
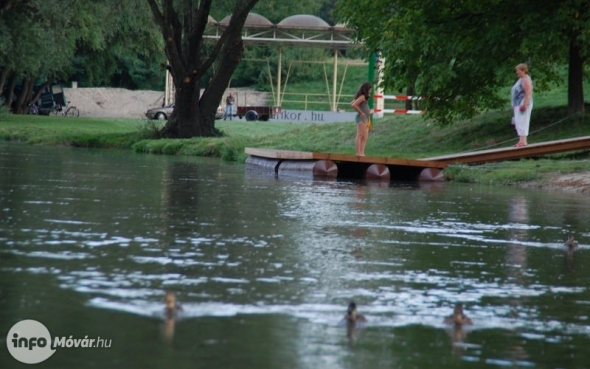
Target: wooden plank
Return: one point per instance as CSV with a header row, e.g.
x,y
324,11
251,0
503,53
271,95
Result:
x,y
280,154
305,155
512,153
380,160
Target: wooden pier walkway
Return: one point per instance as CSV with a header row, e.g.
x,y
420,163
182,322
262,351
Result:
x,y
511,153
317,164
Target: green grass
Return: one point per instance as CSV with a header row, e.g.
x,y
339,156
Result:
x,y
241,127
78,132
511,172
404,136
319,91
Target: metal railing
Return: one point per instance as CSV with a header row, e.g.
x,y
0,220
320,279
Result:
x,y
302,101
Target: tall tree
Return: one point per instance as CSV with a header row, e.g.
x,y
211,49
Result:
x,y
36,43
182,24
462,52
40,39
126,47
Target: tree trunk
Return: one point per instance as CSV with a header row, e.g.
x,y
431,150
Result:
x,y
188,119
575,89
3,77
10,103
24,98
189,60
41,89
194,115
410,92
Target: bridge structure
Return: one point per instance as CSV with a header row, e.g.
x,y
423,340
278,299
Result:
x,y
330,165
300,30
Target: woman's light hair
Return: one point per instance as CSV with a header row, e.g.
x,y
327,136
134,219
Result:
x,y
523,67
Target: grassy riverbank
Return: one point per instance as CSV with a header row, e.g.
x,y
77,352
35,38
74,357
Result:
x,y
393,136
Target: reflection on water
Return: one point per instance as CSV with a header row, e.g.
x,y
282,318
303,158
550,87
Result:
x,y
516,254
458,335
91,242
516,266
171,314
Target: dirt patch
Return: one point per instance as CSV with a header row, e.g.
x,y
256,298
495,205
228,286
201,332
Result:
x,y
571,182
113,102
102,102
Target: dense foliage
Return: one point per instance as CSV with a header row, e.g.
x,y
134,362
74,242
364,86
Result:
x,y
461,52
117,43
48,41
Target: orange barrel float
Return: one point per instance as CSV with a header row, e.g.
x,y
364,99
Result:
x,y
431,174
377,171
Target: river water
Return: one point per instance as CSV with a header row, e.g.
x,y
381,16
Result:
x,y
264,268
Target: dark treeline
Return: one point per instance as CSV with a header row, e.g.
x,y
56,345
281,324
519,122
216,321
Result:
x,y
113,43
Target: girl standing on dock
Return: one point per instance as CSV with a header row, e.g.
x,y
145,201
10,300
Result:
x,y
361,105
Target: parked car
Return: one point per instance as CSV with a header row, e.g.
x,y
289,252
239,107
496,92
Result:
x,y
164,112
160,113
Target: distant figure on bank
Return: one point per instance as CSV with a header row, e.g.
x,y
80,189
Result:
x,y
458,317
522,103
361,105
229,104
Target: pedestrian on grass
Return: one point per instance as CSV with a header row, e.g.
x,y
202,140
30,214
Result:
x,y
361,105
522,103
229,103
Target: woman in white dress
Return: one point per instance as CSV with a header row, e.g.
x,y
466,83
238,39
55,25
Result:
x,y
522,103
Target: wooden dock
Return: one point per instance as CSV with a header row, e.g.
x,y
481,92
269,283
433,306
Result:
x,y
317,164
329,165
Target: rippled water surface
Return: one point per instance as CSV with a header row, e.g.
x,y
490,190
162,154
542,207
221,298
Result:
x,y
264,268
